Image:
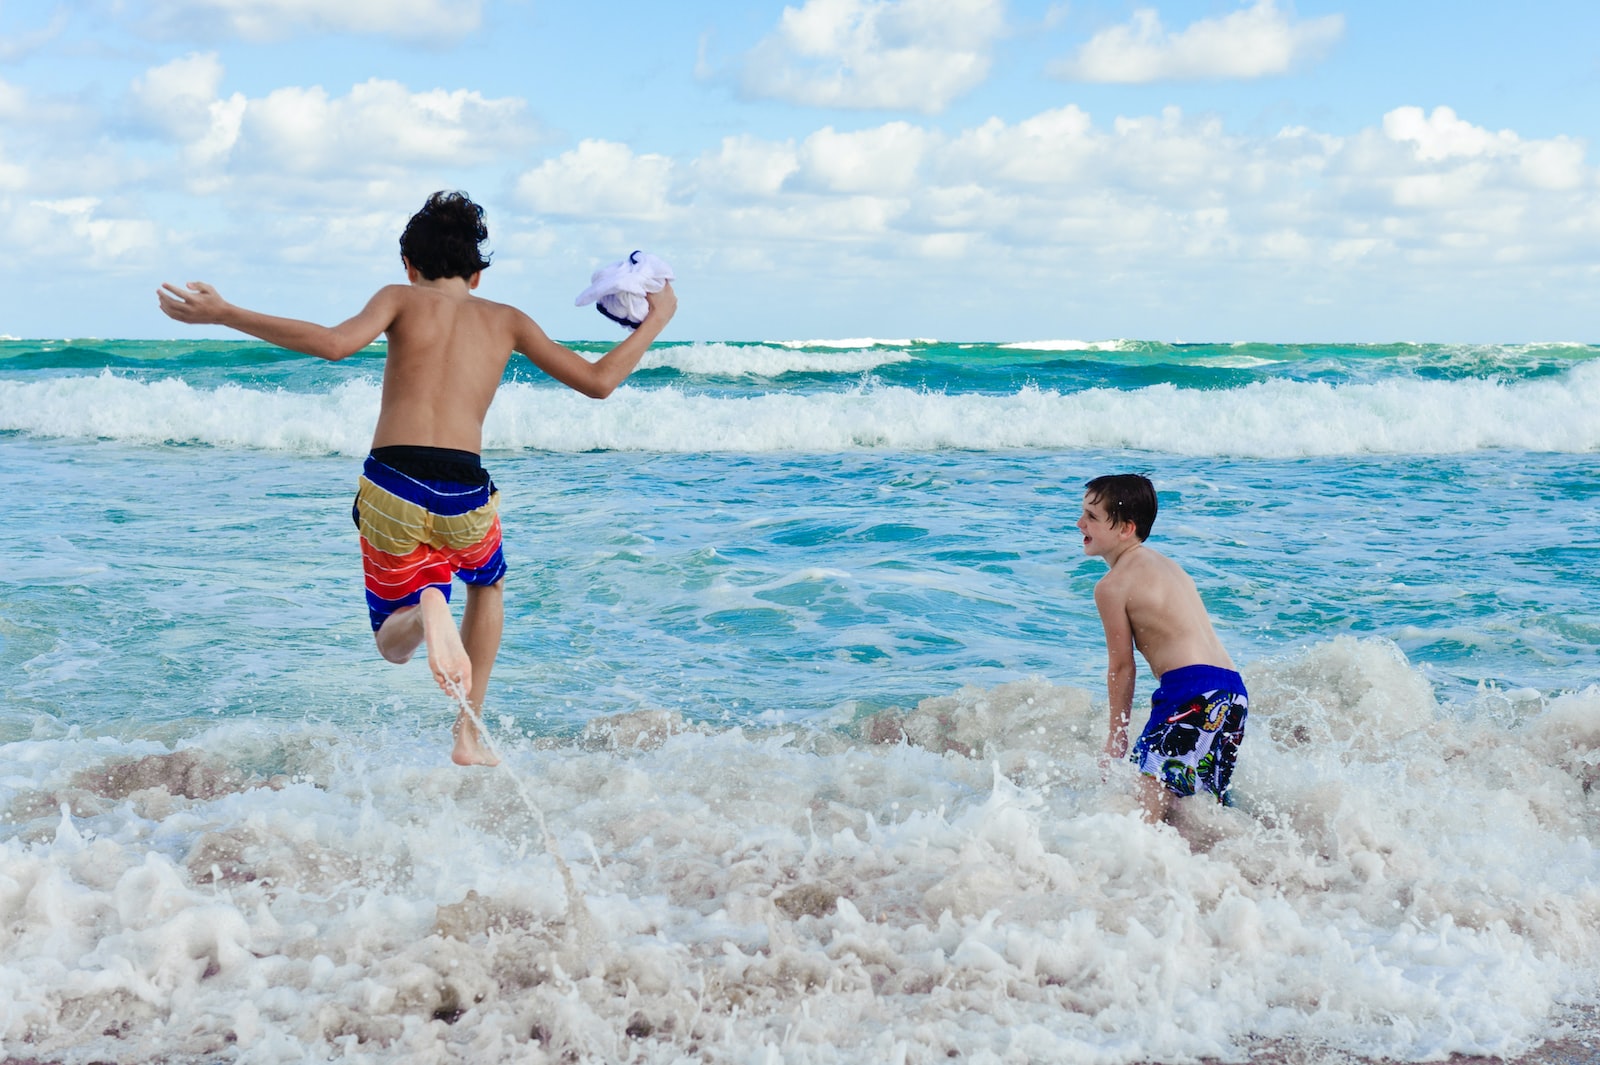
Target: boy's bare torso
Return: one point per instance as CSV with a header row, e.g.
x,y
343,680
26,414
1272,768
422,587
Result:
x,y
448,350
1170,625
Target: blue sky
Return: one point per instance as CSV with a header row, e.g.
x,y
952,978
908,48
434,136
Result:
x,y
958,169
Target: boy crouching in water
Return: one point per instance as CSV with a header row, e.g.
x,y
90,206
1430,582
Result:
x,y
1147,601
426,508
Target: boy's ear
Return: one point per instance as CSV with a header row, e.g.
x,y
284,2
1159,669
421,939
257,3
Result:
x,y
472,282
413,275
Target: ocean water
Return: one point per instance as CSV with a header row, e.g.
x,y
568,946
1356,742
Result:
x,y
800,701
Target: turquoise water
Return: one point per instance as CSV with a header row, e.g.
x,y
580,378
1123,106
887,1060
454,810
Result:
x,y
782,577
771,552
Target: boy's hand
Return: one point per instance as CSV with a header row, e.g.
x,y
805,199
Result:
x,y
663,304
199,305
1115,750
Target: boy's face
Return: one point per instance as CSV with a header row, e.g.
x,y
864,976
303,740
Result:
x,y
1099,533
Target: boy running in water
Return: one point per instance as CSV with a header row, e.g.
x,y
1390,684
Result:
x,y
1147,601
426,508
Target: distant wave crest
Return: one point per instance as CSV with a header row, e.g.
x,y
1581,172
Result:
x,y
760,360
1272,419
1068,345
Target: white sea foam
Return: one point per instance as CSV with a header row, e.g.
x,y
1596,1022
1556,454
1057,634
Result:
x,y
732,360
1271,419
1066,345
1401,880
853,342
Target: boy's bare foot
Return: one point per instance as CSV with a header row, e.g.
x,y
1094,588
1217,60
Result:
x,y
470,748
447,658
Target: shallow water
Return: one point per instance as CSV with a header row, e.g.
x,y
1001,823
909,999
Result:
x,y
800,699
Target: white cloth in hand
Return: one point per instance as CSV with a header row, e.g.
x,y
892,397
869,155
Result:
x,y
618,291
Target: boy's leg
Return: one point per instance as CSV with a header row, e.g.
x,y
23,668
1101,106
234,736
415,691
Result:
x,y
428,622
481,626
1154,798
451,655
400,634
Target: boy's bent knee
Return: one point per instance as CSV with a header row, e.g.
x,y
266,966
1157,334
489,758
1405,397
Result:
x,y
394,655
400,635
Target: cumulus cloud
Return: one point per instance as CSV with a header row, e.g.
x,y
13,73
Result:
x,y
881,160
378,126
79,222
600,180
1483,181
746,167
320,176
865,54
1253,42
1442,137
180,98
1165,188
376,129
275,20
1178,190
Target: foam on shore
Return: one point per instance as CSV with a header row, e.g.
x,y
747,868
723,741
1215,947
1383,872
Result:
x,y
955,880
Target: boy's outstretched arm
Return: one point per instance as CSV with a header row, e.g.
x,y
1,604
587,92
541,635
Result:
x,y
600,378
1121,670
200,304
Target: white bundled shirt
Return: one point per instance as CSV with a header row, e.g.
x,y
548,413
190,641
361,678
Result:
x,y
618,291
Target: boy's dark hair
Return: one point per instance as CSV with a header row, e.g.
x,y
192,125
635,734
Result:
x,y
442,239
1126,497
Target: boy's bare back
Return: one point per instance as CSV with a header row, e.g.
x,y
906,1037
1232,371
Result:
x,y
448,351
1167,620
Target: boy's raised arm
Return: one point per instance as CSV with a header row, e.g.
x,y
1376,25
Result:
x,y
200,304
600,378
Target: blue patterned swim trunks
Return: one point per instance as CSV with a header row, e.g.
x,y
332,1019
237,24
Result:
x,y
1196,724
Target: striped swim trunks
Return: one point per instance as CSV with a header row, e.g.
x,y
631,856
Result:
x,y
426,515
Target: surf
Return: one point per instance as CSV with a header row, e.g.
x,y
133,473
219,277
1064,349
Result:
x,y
1403,879
1270,419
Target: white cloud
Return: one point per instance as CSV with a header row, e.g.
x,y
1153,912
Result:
x,y
1253,42
1052,146
1125,194
746,167
77,222
13,178
882,160
804,220
1442,135
307,174
378,127
599,180
1063,149
179,98
13,101
276,20
893,54
1461,157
